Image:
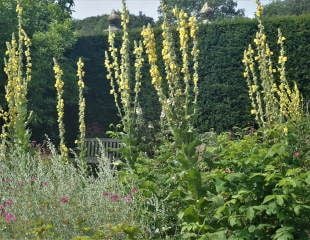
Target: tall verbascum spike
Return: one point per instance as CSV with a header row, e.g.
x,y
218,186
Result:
x,y
82,106
272,101
183,30
254,86
28,57
168,52
150,46
16,90
296,103
138,51
59,85
179,102
125,83
113,82
113,70
193,26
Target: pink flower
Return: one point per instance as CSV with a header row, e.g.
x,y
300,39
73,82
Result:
x,y
296,154
134,190
114,198
64,199
9,217
8,203
44,184
2,210
33,179
6,180
21,183
106,194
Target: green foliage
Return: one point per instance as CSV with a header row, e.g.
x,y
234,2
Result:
x,y
18,71
256,187
94,26
287,7
125,80
100,110
49,200
273,100
49,27
223,102
223,99
218,8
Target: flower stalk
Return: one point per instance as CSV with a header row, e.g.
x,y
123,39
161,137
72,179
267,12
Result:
x,y
82,105
59,85
125,87
18,70
272,100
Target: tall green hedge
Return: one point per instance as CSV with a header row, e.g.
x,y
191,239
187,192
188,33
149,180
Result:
x,y
223,97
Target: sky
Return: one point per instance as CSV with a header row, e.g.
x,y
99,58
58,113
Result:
x,y
87,8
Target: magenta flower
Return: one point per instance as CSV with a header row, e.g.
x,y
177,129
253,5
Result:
x,y
106,194
134,190
44,184
114,198
64,199
296,154
33,179
9,217
21,183
2,210
6,180
8,203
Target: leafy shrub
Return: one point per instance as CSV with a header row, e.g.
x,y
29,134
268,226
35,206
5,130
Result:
x,y
223,101
42,198
257,187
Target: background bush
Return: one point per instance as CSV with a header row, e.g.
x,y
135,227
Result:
x,y
223,100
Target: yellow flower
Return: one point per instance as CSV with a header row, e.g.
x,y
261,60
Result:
x,y
282,59
254,88
253,112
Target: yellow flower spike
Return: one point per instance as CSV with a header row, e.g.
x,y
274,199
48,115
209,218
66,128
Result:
x,y
125,81
18,70
59,84
82,105
272,101
138,51
149,43
179,102
253,112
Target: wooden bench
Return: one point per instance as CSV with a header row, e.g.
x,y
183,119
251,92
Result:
x,y
96,147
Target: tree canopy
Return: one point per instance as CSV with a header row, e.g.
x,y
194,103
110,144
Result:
x,y
287,7
217,8
97,25
49,26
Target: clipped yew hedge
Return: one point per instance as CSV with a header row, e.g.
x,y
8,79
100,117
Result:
x,y
223,98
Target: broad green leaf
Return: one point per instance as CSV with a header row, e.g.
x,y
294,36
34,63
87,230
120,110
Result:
x,y
284,233
250,213
251,229
268,198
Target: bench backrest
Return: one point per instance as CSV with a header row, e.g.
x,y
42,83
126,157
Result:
x,y
95,145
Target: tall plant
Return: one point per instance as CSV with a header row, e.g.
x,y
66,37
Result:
x,y
18,70
82,105
177,90
125,85
273,100
59,85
